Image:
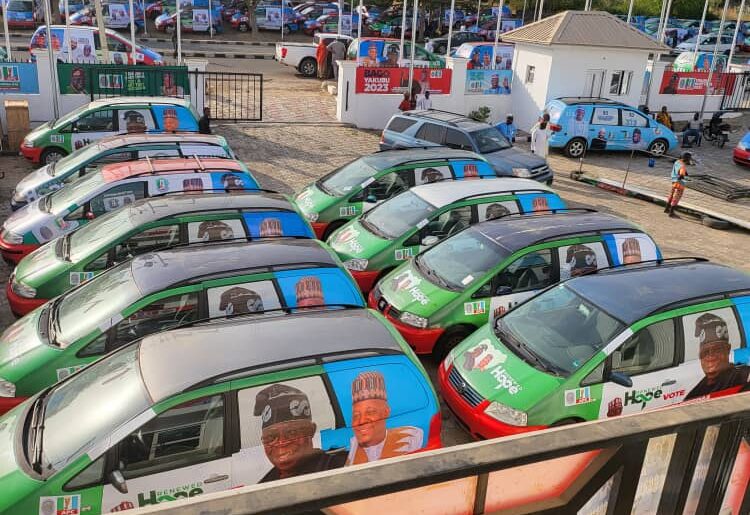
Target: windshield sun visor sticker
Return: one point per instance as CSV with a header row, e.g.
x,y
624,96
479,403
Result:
x,y
232,180
627,248
367,182
317,287
531,202
273,224
471,169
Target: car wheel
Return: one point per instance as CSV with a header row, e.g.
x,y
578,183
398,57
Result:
x,y
308,67
331,228
566,422
658,147
448,341
244,27
52,155
575,147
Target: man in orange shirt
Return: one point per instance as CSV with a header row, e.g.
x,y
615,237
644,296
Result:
x,y
679,174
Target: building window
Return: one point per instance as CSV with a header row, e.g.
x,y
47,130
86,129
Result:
x,y
530,70
620,83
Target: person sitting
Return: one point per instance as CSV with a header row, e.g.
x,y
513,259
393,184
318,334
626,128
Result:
x,y
692,130
664,118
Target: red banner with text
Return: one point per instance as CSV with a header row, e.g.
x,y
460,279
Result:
x,y
396,80
694,83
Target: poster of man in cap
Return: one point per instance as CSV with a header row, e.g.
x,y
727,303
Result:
x,y
714,334
134,121
372,440
215,230
579,259
241,299
634,248
431,174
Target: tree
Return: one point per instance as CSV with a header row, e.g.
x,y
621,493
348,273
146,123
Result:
x,y
251,5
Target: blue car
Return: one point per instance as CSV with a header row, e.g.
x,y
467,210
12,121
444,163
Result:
x,y
73,7
20,14
578,124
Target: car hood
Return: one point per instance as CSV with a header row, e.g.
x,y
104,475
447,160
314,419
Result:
x,y
18,344
34,180
513,157
498,374
406,289
39,266
38,132
14,484
354,241
313,200
27,218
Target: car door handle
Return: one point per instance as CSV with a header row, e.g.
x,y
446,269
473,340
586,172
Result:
x,y
669,382
216,477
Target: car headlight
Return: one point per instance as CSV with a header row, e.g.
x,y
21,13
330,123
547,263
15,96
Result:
x,y
521,172
18,196
312,217
28,143
11,237
22,289
7,389
413,320
742,146
356,264
506,414
448,361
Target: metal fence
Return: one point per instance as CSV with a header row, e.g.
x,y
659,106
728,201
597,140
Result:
x,y
692,458
737,92
231,96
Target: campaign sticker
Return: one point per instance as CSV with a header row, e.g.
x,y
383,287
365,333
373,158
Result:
x,y
466,280
475,308
404,254
422,223
367,182
347,210
162,184
60,505
62,373
57,138
578,396
77,278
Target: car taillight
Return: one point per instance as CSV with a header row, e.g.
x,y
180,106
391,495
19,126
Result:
x,y
283,52
555,127
436,424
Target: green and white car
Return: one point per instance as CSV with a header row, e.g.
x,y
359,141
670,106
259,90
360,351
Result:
x,y
448,291
148,225
159,290
610,343
115,149
359,186
375,243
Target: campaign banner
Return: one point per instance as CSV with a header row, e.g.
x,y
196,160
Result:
x,y
200,20
346,24
694,83
488,82
273,17
75,78
118,15
396,80
481,57
18,78
81,43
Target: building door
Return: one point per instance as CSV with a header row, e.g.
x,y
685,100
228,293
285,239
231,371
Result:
x,y
594,82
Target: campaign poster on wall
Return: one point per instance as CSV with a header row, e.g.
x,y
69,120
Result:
x,y
19,78
396,80
488,82
694,83
273,17
200,20
118,14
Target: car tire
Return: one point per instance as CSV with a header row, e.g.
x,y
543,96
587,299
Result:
x,y
658,147
308,67
448,341
715,223
331,228
575,147
566,422
51,155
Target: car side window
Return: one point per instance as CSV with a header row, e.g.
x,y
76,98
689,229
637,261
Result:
x,y
530,272
96,347
190,433
115,45
652,348
98,121
159,153
117,197
458,140
91,475
431,132
157,316
148,240
100,263
112,158
449,223
605,116
388,186
633,119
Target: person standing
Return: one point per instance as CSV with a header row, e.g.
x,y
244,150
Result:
x,y
539,140
321,55
664,118
204,124
338,51
508,128
405,104
424,101
679,174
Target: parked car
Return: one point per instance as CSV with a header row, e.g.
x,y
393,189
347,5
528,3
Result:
x,y
55,139
440,45
268,18
362,184
116,15
114,149
73,7
375,243
578,124
302,55
147,225
386,46
707,42
222,418
440,128
21,14
110,188
741,154
192,19
328,23
165,289
120,50
606,344
487,269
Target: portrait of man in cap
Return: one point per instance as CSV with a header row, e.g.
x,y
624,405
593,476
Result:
x,y
309,292
581,259
370,411
77,80
240,301
214,230
270,228
134,122
631,251
495,210
287,433
430,175
232,181
714,348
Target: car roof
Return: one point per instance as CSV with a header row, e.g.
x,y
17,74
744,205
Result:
x,y
119,171
590,100
518,232
155,208
448,118
391,158
155,271
121,140
442,193
219,349
332,35
637,291
104,102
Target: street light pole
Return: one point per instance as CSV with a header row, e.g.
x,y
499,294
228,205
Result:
x,y
713,58
700,30
450,29
403,30
497,35
102,30
179,32
413,44
50,55
630,11
132,32
734,38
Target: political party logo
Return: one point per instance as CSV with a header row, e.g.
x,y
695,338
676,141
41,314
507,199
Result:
x,y
404,254
57,138
482,356
647,395
578,396
505,381
475,308
60,505
77,278
162,184
62,373
347,210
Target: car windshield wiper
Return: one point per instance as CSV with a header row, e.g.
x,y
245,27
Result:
x,y
371,227
508,339
53,325
431,274
46,203
36,431
66,246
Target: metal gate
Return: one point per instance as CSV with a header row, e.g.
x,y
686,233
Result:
x,y
231,96
736,91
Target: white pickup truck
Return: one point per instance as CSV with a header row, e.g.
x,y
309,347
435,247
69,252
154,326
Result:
x,y
302,55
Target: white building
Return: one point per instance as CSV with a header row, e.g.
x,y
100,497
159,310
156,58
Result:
x,y
577,53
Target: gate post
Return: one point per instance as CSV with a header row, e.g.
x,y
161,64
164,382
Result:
x,y
196,68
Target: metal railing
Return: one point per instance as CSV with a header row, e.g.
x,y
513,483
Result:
x,y
231,96
692,458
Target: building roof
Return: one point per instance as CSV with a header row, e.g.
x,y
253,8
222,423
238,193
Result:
x,y
391,158
584,28
440,194
120,171
517,232
156,271
633,293
225,347
186,138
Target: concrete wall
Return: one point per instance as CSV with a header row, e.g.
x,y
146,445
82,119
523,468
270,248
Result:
x,y
529,99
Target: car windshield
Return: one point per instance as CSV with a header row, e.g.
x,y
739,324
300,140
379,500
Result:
x,y
71,116
348,176
93,304
19,5
76,192
74,160
461,260
89,406
489,140
97,234
394,217
558,329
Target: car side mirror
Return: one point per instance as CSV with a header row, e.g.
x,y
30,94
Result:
x,y
621,379
89,215
371,199
428,241
118,481
503,290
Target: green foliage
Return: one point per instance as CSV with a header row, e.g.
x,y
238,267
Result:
x,y
482,114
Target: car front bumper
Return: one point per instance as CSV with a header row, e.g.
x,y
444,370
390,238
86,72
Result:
x,y
421,340
32,153
319,228
741,157
20,306
365,279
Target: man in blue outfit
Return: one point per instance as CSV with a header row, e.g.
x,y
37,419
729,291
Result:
x,y
508,129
